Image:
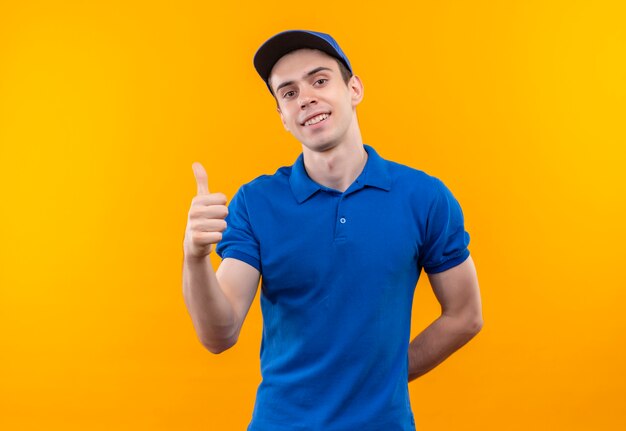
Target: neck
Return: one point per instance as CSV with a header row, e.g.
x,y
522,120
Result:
x,y
339,166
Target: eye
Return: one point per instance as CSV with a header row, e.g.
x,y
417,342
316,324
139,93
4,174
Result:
x,y
287,94
321,79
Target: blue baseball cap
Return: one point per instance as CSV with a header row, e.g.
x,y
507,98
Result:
x,y
283,43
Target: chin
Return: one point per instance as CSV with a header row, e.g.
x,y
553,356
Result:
x,y
321,146
320,143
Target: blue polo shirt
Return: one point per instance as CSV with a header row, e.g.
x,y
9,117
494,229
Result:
x,y
338,276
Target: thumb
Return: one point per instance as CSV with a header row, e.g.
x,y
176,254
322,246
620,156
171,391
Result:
x,y
201,178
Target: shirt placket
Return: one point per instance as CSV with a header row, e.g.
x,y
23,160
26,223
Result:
x,y
342,220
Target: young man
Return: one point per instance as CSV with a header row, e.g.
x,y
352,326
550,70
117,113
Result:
x,y
340,239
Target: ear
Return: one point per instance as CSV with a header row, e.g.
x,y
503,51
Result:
x,y
356,89
282,118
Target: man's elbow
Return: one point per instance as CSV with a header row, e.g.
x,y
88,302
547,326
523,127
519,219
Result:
x,y
217,348
473,325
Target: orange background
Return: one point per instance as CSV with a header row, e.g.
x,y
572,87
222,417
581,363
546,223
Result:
x,y
519,107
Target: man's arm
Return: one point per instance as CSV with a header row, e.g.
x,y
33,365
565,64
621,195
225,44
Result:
x,y
218,302
461,319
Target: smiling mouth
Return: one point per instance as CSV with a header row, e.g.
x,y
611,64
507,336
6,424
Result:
x,y
315,120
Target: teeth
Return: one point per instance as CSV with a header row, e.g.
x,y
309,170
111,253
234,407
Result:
x,y
316,120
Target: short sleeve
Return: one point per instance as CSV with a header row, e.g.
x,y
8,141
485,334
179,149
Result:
x,y
446,240
238,240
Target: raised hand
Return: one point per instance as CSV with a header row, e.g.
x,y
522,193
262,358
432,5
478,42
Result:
x,y
205,223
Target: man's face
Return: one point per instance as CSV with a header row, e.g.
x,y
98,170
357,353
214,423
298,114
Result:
x,y
314,102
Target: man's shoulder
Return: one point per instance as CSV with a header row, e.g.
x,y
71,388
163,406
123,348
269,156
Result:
x,y
266,182
400,169
408,177
418,185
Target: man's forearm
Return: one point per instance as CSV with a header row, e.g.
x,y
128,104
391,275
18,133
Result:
x,y
438,341
212,314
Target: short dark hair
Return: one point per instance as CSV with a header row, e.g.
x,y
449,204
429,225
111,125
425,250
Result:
x,y
345,75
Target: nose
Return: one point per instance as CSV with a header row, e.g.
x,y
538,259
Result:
x,y
306,98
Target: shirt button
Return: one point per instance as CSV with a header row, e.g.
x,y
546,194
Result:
x,y
342,220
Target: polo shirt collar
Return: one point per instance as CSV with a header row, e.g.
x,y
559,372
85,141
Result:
x,y
375,174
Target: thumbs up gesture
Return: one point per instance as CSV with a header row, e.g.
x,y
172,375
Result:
x,y
205,223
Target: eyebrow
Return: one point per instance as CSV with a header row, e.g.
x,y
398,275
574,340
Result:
x,y
311,72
